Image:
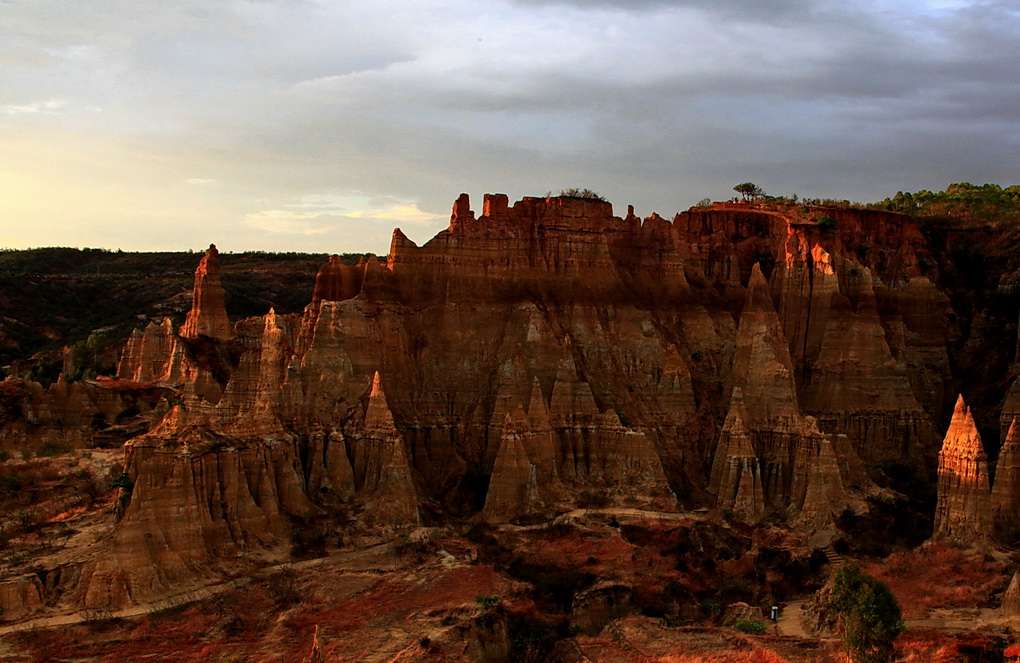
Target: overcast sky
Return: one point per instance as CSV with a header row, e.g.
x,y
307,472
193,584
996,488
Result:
x,y
320,126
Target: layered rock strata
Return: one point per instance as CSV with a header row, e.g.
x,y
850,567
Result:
x,y
1006,488
548,349
964,510
736,473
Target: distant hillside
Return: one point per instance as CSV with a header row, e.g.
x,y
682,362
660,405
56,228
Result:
x,y
56,297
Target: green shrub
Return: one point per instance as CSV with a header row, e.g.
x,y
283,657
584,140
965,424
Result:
x,y
750,626
487,602
827,224
124,482
870,617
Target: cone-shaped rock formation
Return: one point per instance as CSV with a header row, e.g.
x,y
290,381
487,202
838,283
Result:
x,y
964,512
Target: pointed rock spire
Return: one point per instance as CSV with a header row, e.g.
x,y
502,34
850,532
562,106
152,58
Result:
x,y
508,488
963,513
378,417
1006,489
819,495
571,396
736,471
1011,598
316,655
759,298
208,314
130,358
761,365
538,411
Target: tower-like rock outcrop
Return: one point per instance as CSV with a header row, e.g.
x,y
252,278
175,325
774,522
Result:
x,y
208,314
964,510
1006,489
513,487
761,364
198,495
736,473
818,495
381,469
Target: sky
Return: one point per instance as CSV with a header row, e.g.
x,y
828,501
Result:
x,y
302,125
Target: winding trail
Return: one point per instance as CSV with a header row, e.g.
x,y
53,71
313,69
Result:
x,y
789,619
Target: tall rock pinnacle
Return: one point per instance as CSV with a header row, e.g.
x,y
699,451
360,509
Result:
x,y
761,365
964,511
736,473
208,314
1006,490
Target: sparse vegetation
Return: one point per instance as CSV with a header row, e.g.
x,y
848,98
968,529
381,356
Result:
x,y
586,194
870,619
750,626
65,295
827,224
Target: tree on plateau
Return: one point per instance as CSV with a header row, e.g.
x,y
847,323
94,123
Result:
x,y
749,191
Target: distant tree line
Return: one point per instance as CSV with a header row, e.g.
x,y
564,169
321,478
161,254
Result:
x,y
960,200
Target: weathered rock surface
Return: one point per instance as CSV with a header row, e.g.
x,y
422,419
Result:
x,y
381,471
593,608
20,597
198,496
1006,488
736,473
208,314
964,510
513,487
1010,606
550,348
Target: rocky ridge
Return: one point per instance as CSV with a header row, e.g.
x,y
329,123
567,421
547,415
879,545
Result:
x,y
533,357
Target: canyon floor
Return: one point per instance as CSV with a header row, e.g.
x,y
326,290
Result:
x,y
613,584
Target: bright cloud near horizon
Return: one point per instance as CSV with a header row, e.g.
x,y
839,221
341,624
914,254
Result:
x,y
318,125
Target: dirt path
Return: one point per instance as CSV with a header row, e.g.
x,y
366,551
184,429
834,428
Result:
x,y
789,619
630,513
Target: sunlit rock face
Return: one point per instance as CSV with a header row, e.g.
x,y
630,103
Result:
x,y
964,511
208,314
523,361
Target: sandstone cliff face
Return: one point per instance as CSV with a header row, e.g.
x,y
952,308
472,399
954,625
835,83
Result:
x,y
381,471
198,496
736,472
1006,489
736,355
20,597
964,510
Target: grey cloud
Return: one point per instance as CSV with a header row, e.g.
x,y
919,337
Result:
x,y
656,103
753,10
